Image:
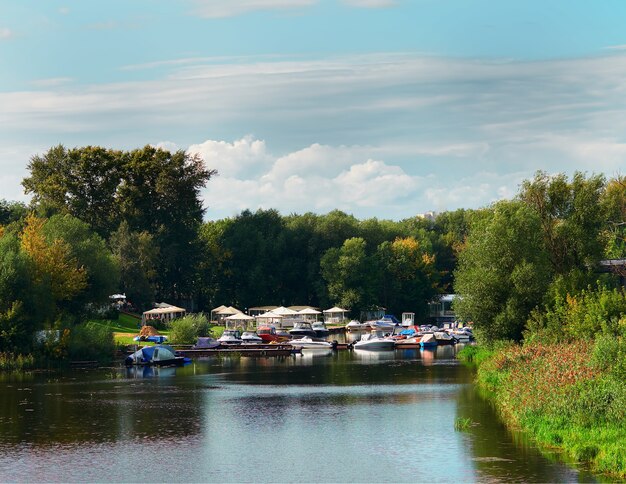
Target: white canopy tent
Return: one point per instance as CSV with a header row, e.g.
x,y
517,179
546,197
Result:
x,y
283,311
309,314
162,314
239,317
335,315
268,318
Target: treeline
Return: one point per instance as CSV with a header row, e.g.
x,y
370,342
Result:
x,y
527,263
102,221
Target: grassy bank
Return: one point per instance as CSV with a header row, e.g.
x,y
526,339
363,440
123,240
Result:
x,y
569,396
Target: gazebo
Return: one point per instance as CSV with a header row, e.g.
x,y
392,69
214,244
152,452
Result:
x,y
238,318
269,317
162,314
335,315
309,314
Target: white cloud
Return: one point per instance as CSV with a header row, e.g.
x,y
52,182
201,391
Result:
x,y
51,82
243,157
5,33
230,8
370,3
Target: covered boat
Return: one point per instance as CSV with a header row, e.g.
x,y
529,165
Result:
x,y
160,355
269,335
444,338
355,325
205,343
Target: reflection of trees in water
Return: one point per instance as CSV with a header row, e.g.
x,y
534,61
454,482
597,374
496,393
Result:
x,y
499,454
78,409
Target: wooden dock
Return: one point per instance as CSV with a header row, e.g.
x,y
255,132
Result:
x,y
242,350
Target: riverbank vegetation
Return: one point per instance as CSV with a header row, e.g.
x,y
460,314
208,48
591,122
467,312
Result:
x,y
551,324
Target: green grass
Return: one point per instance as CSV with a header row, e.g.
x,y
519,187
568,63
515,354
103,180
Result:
x,y
556,394
462,424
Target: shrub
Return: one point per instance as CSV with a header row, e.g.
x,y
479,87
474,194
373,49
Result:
x,y
11,362
183,331
91,341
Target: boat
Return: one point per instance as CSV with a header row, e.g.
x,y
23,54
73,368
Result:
x,y
230,337
205,343
408,319
387,323
444,338
307,343
412,342
321,331
463,335
375,341
355,325
302,328
151,339
251,337
428,340
159,355
269,335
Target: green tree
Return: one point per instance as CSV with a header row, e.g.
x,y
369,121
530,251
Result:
x,y
504,271
408,275
350,274
136,255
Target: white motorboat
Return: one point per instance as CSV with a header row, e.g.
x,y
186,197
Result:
x,y
463,335
385,324
443,338
251,337
374,341
307,343
355,325
428,340
230,337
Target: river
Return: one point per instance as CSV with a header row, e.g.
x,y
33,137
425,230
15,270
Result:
x,y
350,416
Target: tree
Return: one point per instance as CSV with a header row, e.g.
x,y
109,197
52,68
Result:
x,y
571,217
136,255
350,274
504,271
16,327
408,275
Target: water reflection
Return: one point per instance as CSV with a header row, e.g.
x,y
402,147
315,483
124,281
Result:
x,y
325,417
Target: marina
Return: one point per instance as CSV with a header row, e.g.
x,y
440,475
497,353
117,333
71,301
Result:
x,y
366,416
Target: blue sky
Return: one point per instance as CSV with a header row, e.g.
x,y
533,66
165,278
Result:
x,y
380,108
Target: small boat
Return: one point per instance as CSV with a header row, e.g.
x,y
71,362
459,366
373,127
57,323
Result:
x,y
388,322
321,331
268,334
159,355
302,328
375,341
230,337
444,338
152,339
463,335
355,325
307,343
428,340
412,342
251,337
205,343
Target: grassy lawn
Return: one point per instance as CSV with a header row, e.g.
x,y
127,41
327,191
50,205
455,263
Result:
x,y
126,327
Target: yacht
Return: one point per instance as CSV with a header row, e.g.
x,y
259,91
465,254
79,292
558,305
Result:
x,y
251,337
375,341
307,342
302,328
230,337
321,331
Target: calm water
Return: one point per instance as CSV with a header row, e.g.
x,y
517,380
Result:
x,y
348,416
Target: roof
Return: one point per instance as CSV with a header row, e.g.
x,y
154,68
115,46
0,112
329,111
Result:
x,y
218,309
309,311
239,317
335,310
167,310
262,308
283,311
300,308
269,314
229,310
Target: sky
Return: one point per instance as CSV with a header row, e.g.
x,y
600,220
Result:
x,y
380,108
